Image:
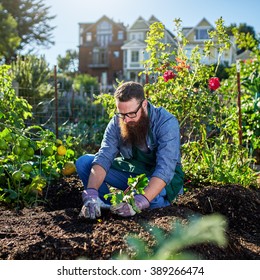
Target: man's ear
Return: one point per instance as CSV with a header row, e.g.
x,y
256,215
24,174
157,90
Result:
x,y
145,103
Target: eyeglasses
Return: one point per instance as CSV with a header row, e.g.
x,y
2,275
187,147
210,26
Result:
x,y
130,115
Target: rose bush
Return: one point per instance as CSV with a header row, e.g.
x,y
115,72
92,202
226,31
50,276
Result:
x,y
205,106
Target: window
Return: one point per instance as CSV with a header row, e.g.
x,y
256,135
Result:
x,y
104,33
89,37
116,54
134,56
103,57
99,56
140,36
202,34
137,36
120,35
132,36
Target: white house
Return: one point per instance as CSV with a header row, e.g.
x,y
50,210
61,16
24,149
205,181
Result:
x,y
197,36
134,48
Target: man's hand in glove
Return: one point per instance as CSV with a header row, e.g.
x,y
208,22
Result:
x,y
125,209
92,204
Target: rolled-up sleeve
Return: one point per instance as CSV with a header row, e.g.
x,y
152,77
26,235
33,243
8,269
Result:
x,y
109,146
168,149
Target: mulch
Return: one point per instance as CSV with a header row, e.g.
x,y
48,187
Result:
x,y
53,231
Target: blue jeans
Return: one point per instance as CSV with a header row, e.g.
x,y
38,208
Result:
x,y
115,178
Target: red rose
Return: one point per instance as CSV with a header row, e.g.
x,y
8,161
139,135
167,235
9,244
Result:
x,y
168,75
214,83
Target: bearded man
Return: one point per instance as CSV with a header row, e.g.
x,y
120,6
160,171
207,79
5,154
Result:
x,y
139,139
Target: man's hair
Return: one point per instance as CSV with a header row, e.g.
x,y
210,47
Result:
x,y
128,91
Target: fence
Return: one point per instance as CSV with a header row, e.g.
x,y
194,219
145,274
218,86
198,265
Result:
x,y
70,113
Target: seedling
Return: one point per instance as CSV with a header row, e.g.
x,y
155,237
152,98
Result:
x,y
136,185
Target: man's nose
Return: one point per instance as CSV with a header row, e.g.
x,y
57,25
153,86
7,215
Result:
x,y
126,119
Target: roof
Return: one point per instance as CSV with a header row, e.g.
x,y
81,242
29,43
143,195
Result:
x,y
134,44
140,23
87,26
189,30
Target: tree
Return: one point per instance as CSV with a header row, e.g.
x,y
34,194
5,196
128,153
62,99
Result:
x,y
9,36
32,17
242,28
85,82
32,74
69,63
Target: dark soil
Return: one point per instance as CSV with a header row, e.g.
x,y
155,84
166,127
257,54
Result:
x,y
54,231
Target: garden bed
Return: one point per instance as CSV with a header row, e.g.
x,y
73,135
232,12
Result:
x,y
54,231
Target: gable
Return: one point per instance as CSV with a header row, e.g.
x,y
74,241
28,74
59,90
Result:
x,y
134,44
198,32
139,24
204,23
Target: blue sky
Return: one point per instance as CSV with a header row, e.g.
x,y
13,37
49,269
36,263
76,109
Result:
x,y
70,12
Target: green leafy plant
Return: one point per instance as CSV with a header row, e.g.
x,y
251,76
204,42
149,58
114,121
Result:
x,y
205,108
171,245
218,161
32,74
30,157
136,185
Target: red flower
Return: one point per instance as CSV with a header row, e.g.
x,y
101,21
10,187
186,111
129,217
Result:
x,y
214,83
168,75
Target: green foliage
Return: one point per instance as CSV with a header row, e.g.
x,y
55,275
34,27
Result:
x,y
13,110
9,36
171,245
32,74
87,134
217,160
33,23
247,35
108,102
250,93
84,83
68,63
136,185
208,118
187,95
29,161
29,156
64,82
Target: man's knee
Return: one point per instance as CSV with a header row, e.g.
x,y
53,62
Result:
x,y
84,163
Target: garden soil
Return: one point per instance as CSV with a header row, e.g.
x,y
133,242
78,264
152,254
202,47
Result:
x,y
54,231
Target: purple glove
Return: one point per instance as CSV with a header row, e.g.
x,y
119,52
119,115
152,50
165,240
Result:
x,y
92,204
125,209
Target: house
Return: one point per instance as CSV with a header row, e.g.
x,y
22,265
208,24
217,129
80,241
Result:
x,y
247,54
100,53
197,35
134,48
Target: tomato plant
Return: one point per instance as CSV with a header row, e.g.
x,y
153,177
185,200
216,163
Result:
x,y
30,157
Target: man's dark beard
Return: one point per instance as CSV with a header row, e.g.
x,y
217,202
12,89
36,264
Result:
x,y
135,133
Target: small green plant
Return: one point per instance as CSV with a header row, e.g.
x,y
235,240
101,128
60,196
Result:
x,y
171,245
136,185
